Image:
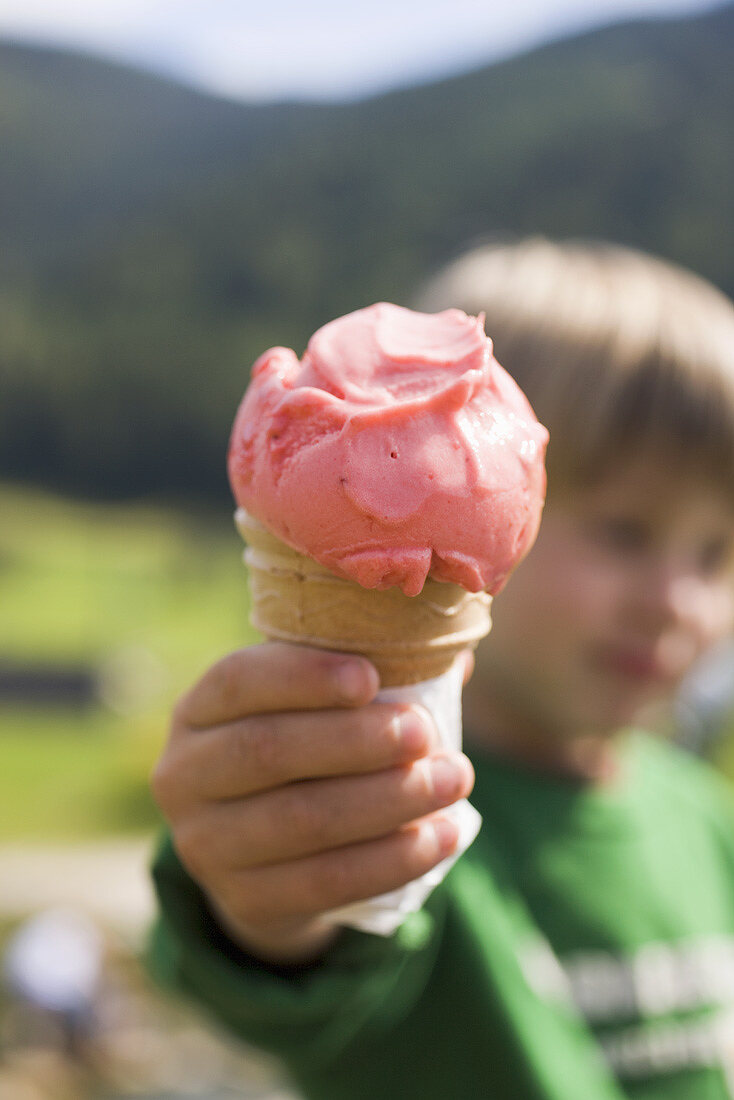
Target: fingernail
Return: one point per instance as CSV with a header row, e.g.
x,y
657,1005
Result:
x,y
413,735
447,775
447,834
351,681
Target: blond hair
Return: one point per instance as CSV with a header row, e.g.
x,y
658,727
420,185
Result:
x,y
618,351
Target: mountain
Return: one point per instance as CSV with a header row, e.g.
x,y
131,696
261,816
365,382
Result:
x,y
86,141
155,239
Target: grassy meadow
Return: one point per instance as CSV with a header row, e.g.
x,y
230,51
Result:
x,y
144,597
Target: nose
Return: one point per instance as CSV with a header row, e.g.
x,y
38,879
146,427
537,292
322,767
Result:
x,y
666,594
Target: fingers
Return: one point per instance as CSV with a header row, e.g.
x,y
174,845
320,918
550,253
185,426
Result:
x,y
302,819
290,792
259,753
276,677
306,887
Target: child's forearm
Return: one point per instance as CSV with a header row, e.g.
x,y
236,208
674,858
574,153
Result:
x,y
296,943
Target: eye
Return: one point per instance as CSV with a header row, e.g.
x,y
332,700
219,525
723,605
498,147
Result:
x,y
716,555
623,534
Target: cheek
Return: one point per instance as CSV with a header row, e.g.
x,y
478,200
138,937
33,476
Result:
x,y
553,605
579,591
716,614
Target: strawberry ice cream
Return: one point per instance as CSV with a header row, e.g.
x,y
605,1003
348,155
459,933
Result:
x,y
397,449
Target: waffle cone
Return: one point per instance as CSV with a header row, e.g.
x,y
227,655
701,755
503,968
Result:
x,y
407,638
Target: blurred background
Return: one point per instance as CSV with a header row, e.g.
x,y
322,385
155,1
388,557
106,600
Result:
x,y
181,187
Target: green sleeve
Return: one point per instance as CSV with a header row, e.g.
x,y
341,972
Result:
x,y
307,1016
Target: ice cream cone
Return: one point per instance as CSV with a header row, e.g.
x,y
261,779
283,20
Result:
x,y
396,450
408,638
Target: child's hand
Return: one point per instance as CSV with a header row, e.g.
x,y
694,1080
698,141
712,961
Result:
x,y
290,793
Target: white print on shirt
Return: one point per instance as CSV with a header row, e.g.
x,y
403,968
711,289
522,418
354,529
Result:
x,y
657,979
671,1046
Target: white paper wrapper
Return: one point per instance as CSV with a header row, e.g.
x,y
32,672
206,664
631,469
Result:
x,y
384,914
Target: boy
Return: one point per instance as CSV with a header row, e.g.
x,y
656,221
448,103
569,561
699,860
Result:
x,y
583,948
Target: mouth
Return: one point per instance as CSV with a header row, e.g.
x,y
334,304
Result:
x,y
638,665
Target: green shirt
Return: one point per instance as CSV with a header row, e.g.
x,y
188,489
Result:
x,y
582,949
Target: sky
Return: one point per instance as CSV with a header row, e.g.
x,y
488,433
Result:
x,y
313,49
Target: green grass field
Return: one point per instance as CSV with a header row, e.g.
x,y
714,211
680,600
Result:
x,y
146,597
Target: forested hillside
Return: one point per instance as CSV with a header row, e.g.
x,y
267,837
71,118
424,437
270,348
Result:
x,y
153,240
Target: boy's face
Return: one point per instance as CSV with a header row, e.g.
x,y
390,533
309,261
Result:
x,y
627,585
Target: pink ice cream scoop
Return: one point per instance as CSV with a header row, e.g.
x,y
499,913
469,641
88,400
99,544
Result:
x,y
396,449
